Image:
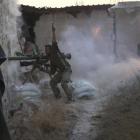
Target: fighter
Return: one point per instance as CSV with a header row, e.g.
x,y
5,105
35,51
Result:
x,y
53,62
60,69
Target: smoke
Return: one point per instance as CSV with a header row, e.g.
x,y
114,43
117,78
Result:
x,y
95,64
89,39
114,75
87,58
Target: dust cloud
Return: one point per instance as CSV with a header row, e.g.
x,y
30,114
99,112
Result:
x,y
95,64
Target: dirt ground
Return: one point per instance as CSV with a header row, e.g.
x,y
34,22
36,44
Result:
x,y
111,115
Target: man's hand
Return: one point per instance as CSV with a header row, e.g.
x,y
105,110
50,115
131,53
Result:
x,y
45,68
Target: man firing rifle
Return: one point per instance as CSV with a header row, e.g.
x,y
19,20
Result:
x,y
60,69
54,62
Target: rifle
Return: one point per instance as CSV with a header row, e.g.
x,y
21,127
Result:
x,y
36,57
36,62
54,44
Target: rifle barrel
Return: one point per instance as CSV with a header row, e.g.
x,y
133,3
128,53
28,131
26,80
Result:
x,y
26,58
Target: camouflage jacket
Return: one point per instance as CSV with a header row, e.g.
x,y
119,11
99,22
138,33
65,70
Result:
x,y
57,59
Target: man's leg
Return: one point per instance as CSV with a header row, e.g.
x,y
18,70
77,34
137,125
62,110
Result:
x,y
64,83
53,83
67,90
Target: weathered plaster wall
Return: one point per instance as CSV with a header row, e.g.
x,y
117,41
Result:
x,y
128,32
97,27
89,38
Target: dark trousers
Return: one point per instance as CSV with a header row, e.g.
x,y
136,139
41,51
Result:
x,y
64,79
4,133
